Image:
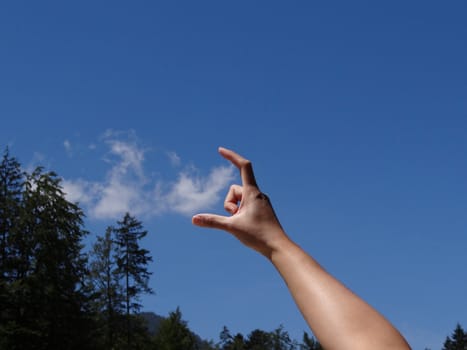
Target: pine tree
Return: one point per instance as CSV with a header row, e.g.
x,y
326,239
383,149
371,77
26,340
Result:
x,y
259,340
457,341
174,334
132,265
281,339
108,294
310,343
11,188
48,304
229,342
57,266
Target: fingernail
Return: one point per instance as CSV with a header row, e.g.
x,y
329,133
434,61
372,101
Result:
x,y
197,219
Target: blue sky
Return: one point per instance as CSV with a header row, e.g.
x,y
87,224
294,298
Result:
x,y
354,114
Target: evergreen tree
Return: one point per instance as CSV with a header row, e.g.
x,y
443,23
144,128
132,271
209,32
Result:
x,y
47,298
229,342
58,266
259,340
174,334
281,339
225,338
11,188
457,341
108,298
207,345
310,343
132,265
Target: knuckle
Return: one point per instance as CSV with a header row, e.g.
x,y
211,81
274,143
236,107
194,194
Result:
x,y
208,221
262,196
247,163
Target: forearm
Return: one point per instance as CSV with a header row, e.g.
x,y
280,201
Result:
x,y
339,318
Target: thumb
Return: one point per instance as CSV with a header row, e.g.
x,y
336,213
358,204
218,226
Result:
x,y
210,220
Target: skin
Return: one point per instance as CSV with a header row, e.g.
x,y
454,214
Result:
x,y
338,318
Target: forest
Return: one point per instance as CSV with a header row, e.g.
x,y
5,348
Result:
x,y
55,293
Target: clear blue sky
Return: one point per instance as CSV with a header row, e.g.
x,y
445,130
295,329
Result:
x,y
354,113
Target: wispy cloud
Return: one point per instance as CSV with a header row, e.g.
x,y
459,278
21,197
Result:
x,y
126,186
174,158
67,145
81,191
190,194
38,159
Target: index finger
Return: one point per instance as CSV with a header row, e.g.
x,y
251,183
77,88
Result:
x,y
244,165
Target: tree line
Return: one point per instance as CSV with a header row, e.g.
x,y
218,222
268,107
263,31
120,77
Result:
x,y
55,294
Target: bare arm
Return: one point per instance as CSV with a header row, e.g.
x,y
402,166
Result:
x,y
338,318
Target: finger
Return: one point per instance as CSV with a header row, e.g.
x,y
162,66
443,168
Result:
x,y
210,220
233,197
244,165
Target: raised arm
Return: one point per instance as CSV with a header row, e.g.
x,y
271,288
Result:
x,y
338,318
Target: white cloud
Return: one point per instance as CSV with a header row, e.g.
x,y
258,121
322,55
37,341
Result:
x,y
67,145
116,198
190,194
130,156
126,188
174,158
81,191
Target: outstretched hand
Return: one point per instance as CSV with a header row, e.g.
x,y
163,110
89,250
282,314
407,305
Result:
x,y
252,219
339,318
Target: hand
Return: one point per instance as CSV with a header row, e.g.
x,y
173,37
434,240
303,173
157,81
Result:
x,y
338,317
252,219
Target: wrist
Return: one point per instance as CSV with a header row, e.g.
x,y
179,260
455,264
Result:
x,y
281,244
